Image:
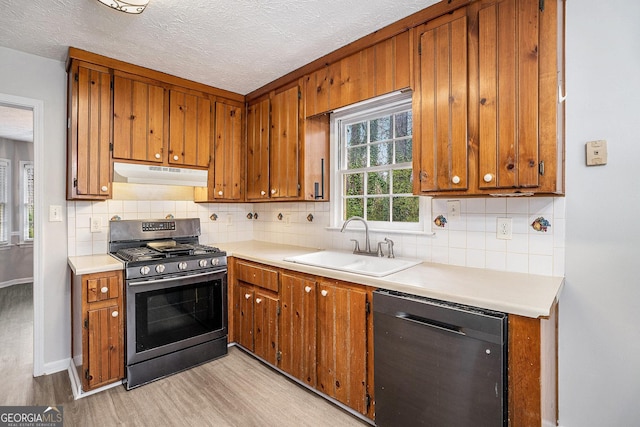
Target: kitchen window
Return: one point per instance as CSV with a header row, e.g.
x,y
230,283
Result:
x,y
26,189
5,170
373,144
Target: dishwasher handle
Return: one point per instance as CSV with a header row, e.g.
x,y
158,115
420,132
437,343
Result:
x,y
430,322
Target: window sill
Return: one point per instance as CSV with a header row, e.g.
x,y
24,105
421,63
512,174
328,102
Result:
x,y
387,231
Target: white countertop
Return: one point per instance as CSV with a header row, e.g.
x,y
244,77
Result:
x,y
515,293
93,264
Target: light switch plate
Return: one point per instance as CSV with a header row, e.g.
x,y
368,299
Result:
x,y
596,153
453,209
55,213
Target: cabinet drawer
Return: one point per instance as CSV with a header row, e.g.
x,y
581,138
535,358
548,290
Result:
x,y
257,275
102,287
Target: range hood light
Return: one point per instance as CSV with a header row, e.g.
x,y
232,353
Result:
x,y
130,6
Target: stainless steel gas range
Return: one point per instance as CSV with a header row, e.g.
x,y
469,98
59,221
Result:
x,y
176,296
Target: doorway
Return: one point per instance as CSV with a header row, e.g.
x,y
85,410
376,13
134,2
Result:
x,y
21,130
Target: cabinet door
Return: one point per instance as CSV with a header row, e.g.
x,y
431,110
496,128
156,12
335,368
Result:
x,y
440,159
258,150
243,315
189,129
284,147
342,344
227,156
104,346
103,286
89,133
266,326
138,120
298,327
508,94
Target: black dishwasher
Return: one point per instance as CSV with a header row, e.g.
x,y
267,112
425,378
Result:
x,y
438,364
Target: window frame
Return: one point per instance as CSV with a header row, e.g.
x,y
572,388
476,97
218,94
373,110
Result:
x,y
5,226
24,223
366,110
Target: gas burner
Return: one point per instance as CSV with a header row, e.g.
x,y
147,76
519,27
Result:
x,y
139,254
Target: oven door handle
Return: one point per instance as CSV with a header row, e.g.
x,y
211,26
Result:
x,y
173,279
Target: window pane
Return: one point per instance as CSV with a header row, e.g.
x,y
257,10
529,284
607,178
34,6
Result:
x,y
405,209
381,129
378,209
356,134
402,181
354,184
381,154
354,207
357,157
404,151
378,182
404,124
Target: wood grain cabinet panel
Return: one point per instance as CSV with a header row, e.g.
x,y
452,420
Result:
x,y
138,120
258,129
266,312
190,129
284,145
89,133
440,157
342,344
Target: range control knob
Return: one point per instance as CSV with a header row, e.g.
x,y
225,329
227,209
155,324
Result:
x,y
182,265
215,261
145,270
160,268
202,263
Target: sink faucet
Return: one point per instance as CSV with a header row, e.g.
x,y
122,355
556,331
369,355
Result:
x,y
367,244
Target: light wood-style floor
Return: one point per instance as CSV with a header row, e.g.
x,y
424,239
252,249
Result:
x,y
235,390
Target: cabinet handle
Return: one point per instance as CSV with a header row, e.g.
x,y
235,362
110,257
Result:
x,y
273,191
247,296
307,289
262,193
488,177
114,314
324,292
220,193
175,157
104,289
158,155
258,300
104,188
455,179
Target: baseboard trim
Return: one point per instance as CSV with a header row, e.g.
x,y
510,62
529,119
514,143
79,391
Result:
x,y
76,384
57,366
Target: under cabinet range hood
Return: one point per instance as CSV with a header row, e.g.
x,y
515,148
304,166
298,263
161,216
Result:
x,y
159,175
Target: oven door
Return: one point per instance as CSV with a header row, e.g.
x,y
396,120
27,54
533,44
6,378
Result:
x,y
170,314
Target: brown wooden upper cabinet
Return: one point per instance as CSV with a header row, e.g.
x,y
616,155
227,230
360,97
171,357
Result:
x,y
258,150
138,120
190,129
487,107
89,132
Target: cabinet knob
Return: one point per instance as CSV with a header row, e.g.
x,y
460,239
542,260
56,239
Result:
x,y
104,188
175,157
258,300
307,289
220,193
262,193
488,177
158,155
114,314
324,292
455,179
273,191
104,289
247,296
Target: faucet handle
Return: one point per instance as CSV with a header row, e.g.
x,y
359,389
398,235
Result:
x,y
390,246
357,245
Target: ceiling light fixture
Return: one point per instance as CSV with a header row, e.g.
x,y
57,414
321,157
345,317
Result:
x,y
129,6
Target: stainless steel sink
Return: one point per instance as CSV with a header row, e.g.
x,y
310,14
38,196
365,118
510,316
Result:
x,y
353,263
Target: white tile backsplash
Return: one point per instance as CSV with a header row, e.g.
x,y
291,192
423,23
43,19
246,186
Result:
x,y
469,240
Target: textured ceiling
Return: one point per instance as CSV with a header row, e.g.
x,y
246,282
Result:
x,y
237,45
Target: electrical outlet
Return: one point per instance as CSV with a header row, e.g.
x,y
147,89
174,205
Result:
x,y
453,209
96,224
287,219
503,229
229,219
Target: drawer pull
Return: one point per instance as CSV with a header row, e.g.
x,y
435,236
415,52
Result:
x,y
104,289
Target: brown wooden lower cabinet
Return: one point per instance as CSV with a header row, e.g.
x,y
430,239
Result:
x,y
98,328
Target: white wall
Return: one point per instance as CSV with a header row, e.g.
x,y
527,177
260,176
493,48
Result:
x,y
30,76
600,305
